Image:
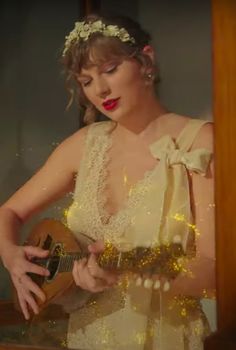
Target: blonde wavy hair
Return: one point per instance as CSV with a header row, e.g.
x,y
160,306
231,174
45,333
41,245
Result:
x,y
98,49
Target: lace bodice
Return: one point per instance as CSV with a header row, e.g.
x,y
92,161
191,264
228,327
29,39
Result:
x,y
158,208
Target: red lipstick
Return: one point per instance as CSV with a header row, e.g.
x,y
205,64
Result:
x,y
110,104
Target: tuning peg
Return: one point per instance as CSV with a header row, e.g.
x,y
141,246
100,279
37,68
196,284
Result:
x,y
148,283
139,281
157,284
166,286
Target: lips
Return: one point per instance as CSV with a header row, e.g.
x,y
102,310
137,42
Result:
x,y
110,104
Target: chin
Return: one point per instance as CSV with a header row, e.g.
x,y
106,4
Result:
x,y
116,116
121,115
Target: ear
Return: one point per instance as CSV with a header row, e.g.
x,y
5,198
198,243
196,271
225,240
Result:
x,y
148,50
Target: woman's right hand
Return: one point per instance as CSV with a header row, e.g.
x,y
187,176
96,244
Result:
x,y
16,259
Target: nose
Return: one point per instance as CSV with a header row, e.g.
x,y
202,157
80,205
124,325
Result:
x,y
102,88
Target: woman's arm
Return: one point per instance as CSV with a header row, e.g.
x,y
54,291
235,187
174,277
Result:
x,y
51,182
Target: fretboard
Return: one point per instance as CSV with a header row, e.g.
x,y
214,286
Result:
x,y
67,261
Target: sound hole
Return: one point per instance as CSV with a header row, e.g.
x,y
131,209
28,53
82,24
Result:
x,y
53,262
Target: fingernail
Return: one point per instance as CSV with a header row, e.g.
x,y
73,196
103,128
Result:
x,y
157,285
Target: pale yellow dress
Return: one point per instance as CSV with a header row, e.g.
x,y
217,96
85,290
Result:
x,y
157,211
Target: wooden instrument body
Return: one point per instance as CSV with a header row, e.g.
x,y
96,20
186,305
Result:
x,y
52,235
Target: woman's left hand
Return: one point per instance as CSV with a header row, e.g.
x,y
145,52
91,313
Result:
x,y
89,275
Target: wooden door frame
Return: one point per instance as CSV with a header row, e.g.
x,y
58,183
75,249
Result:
x,y
224,111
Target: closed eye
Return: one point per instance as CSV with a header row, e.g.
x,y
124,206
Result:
x,y
85,83
111,69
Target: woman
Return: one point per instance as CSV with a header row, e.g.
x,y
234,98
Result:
x,y
143,178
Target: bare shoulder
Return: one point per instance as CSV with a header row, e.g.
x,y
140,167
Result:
x,y
52,181
75,139
71,149
176,123
205,137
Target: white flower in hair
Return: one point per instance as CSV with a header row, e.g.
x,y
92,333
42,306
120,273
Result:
x,y
111,30
82,31
97,26
124,35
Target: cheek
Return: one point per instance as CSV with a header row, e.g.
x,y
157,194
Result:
x,y
132,84
133,76
89,95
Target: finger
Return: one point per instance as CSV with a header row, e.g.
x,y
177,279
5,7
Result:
x,y
78,265
98,272
96,247
33,287
94,285
35,251
27,296
84,279
34,268
89,282
32,303
23,306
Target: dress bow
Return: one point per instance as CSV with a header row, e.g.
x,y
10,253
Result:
x,y
174,218
196,160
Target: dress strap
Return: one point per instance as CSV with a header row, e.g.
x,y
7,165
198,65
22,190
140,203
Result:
x,y
187,136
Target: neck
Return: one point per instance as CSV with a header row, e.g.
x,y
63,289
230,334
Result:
x,y
143,114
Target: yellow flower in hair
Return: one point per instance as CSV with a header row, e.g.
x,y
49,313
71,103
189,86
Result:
x,y
82,31
123,35
111,30
97,26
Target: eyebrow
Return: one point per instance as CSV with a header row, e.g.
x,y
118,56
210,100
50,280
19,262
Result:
x,y
92,65
82,76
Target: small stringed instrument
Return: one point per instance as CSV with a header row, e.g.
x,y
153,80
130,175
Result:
x,y
64,249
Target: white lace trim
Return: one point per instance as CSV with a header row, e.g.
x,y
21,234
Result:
x,y
94,183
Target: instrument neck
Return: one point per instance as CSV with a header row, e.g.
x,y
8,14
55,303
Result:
x,y
67,261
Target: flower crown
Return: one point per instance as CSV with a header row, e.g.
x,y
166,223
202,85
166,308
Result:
x,y
83,30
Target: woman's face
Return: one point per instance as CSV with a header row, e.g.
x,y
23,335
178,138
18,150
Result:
x,y
116,88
